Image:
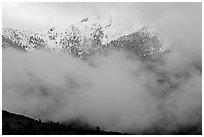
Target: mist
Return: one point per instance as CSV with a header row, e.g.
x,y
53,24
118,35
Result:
x,y
115,91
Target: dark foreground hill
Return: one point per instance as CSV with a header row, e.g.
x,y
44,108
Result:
x,y
14,124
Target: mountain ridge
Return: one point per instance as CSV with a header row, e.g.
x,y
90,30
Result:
x,y
87,37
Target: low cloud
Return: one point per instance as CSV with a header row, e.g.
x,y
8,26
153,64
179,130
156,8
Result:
x,y
114,91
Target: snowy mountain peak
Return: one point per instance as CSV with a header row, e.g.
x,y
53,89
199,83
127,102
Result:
x,y
88,36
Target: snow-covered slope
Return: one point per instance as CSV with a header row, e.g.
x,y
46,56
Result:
x,y
87,36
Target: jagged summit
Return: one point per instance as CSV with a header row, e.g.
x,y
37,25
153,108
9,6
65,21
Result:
x,y
88,36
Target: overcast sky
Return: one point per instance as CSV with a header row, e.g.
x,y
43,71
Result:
x,y
40,16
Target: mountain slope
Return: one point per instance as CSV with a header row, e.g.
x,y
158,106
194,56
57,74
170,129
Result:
x,y
90,36
15,124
